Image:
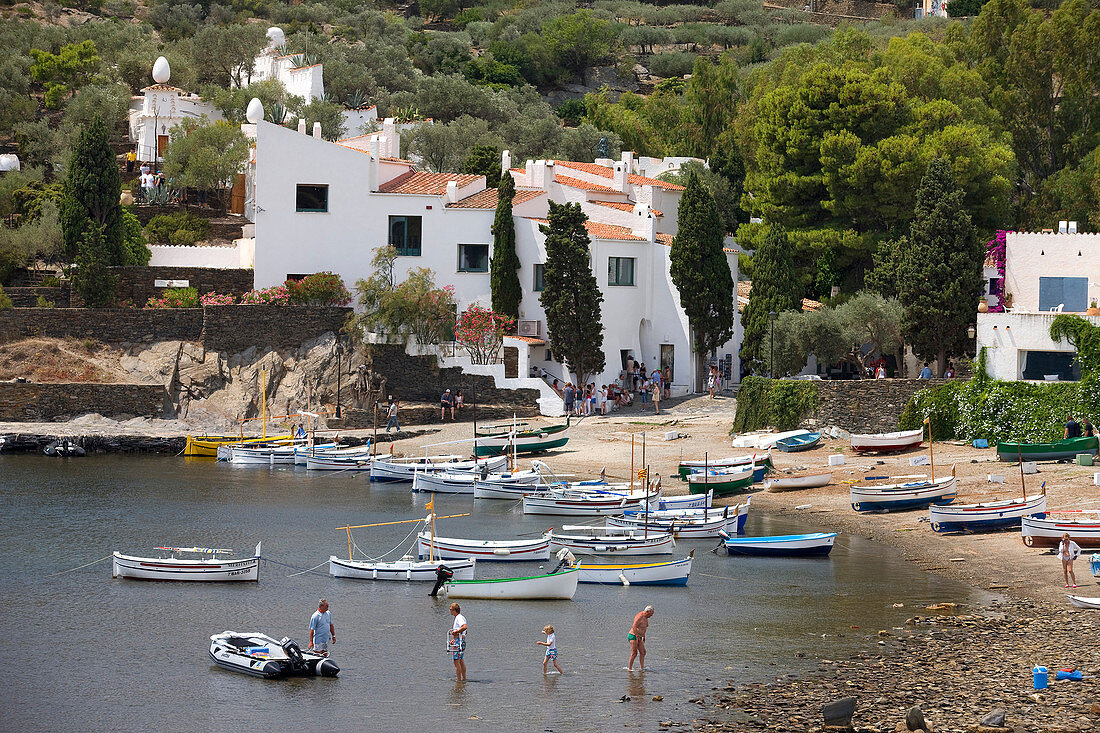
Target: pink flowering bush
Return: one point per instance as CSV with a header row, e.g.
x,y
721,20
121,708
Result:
x,y
320,288
213,298
481,332
278,295
175,298
995,249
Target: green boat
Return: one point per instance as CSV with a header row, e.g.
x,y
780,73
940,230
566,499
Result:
x,y
1056,451
721,464
723,482
497,439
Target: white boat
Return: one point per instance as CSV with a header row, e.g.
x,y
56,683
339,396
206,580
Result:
x,y
740,511
491,490
687,501
887,442
1084,601
793,483
814,544
464,482
894,497
986,515
555,586
688,466
207,569
260,655
269,455
225,450
694,528
587,504
403,469
404,569
337,462
302,452
587,540
670,572
1047,531
447,548
764,441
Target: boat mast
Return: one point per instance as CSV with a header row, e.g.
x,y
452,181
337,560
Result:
x,y
632,462
374,438
931,457
263,397
473,399
431,531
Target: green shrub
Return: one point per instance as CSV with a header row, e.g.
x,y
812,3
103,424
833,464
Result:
x,y
183,238
43,303
671,64
320,288
778,403
5,301
940,404
175,298
160,228
50,281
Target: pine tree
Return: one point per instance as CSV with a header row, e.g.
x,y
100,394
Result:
x,y
701,271
774,288
504,270
91,194
571,297
91,276
939,269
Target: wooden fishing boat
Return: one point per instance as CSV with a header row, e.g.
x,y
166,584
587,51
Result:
x,y
1047,531
897,497
670,572
261,455
207,569
1059,450
797,443
686,467
587,503
722,482
687,501
1084,601
448,548
303,451
815,544
403,569
206,446
519,438
555,586
764,441
464,482
350,462
489,489
793,483
403,469
986,515
887,442
740,511
587,540
682,528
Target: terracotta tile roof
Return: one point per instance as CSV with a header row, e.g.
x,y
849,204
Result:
x,y
161,88
602,170
603,231
528,340
488,199
426,184
398,160
744,289
665,239
623,206
303,68
583,185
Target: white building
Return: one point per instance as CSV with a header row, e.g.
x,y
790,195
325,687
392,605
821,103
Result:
x,y
160,108
1045,274
329,206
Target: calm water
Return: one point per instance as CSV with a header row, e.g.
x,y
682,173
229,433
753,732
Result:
x,y
91,653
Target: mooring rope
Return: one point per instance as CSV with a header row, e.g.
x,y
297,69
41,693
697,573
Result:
x,y
303,572
398,546
93,562
295,567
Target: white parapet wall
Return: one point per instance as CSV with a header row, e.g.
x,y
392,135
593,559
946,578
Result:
x,y
239,255
1007,337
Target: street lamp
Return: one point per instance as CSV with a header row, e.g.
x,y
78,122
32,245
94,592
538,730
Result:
x,y
772,315
971,332
339,353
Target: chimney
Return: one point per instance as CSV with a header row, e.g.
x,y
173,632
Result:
x,y
372,165
505,162
452,192
644,223
620,177
628,159
1063,226
301,126
1072,227
392,147
538,174
317,129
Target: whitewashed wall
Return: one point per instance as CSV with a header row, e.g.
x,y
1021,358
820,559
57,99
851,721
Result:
x,y
1031,255
237,256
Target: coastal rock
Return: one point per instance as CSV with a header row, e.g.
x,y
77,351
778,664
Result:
x,y
914,719
995,719
839,712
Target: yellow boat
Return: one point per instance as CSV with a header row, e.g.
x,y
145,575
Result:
x,y
207,445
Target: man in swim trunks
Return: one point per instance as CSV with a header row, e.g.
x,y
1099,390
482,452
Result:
x,y
636,637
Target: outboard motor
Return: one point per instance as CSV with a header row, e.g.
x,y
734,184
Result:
x,y
442,575
294,652
565,558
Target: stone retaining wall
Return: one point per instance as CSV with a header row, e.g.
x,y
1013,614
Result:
x,y
355,419
233,328
111,325
866,405
30,402
420,379
28,297
138,284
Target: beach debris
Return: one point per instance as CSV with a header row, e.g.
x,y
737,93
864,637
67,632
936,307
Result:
x,y
914,719
919,461
942,607
803,506
996,478
1030,467
658,698
672,435
839,712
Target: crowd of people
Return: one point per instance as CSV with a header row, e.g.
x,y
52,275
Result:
x,y
635,382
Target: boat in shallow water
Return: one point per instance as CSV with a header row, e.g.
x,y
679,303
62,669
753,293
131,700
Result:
x,y
404,569
206,446
588,540
206,569
448,548
815,544
669,572
404,469
1059,450
260,655
561,585
465,482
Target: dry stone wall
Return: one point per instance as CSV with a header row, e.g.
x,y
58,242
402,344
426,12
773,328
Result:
x,y
138,284
29,402
28,297
110,325
232,328
866,405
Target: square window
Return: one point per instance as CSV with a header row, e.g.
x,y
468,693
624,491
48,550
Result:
x,y
473,258
405,235
311,198
620,270
540,271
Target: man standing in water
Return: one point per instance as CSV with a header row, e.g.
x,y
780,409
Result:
x,y
458,642
636,637
321,630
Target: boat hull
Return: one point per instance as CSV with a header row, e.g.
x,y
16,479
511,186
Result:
x,y
338,463
1059,450
260,655
687,467
672,573
818,544
400,570
985,517
900,497
1084,601
798,443
448,548
557,586
887,442
623,545
207,571
446,482
1047,531
583,506
687,501
402,471
720,483
681,529
794,483
764,441
502,442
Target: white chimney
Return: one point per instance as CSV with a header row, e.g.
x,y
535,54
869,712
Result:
x,y
372,165
628,158
1063,226
620,177
392,146
301,126
538,174
505,162
644,223
452,192
317,129
1073,227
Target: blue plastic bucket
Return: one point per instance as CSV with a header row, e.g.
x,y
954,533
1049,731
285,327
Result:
x,y
1039,676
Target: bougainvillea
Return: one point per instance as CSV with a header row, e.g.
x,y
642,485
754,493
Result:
x,y
321,288
278,295
995,252
213,298
175,298
481,332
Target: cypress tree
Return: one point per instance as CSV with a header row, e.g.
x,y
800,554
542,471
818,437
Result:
x,y
571,297
91,193
91,277
504,269
774,288
939,269
700,270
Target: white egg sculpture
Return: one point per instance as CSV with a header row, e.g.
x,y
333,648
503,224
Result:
x,y
275,37
162,72
255,111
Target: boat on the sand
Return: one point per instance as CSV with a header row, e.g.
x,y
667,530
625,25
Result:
x,y
1058,450
1047,531
814,544
887,442
794,483
986,515
797,443
898,497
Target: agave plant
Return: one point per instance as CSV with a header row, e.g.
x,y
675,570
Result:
x,y
406,114
278,113
356,100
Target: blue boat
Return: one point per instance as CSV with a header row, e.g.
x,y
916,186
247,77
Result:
x,y
815,544
797,443
898,497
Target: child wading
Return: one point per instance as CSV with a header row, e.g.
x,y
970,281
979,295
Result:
x,y
551,645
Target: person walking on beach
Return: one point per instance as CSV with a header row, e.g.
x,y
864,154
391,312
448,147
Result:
x,y
458,642
568,394
551,645
391,415
636,637
1068,551
446,401
321,630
